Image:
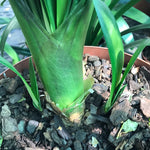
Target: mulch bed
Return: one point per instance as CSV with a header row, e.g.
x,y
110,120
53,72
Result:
x,y
23,127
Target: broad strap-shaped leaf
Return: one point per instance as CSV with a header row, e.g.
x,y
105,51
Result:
x,y
114,44
12,25
12,53
22,51
122,25
4,20
134,44
142,45
136,15
50,5
36,103
137,27
119,12
57,56
61,10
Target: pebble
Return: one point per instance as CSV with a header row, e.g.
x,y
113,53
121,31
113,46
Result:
x,y
5,111
134,70
56,138
47,134
100,88
14,98
93,58
32,125
145,106
9,126
46,113
69,148
56,148
35,148
93,109
120,112
77,145
2,91
94,142
11,85
90,120
134,85
21,126
81,135
97,63
146,133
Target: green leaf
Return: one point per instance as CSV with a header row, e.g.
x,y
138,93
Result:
x,y
142,45
10,51
122,24
4,20
57,56
1,140
33,81
22,51
11,67
113,3
61,10
12,25
124,8
88,83
51,11
3,1
137,27
134,44
114,44
136,15
45,18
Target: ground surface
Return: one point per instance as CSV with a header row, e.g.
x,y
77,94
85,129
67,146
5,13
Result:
x,y
23,127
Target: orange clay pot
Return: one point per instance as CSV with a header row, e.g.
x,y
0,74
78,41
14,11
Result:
x,y
92,50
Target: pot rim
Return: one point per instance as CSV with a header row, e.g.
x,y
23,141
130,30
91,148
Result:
x,y
102,52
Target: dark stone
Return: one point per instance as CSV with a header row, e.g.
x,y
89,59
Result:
x,y
11,85
2,91
21,126
56,138
134,85
146,72
100,88
120,112
15,98
32,125
81,135
77,145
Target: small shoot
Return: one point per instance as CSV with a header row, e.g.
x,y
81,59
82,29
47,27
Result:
x,y
36,102
116,51
33,81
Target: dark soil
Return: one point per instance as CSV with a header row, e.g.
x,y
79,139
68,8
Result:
x,y
23,127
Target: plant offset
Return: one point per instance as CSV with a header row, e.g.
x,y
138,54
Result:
x,y
56,44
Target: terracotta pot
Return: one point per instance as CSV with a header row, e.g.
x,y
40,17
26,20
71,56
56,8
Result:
x,y
98,51
144,6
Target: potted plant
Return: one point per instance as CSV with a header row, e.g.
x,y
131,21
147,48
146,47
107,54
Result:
x,y
55,42
64,47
